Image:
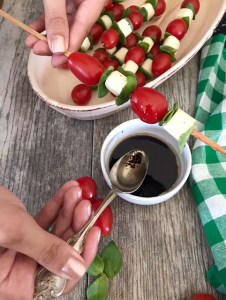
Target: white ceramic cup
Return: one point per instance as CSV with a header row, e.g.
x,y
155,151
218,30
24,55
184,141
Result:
x,y
136,127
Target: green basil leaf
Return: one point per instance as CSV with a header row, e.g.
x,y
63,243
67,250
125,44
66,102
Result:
x,y
122,38
169,115
113,259
184,138
98,290
118,1
144,45
144,13
171,51
97,266
191,7
102,90
126,12
128,88
187,21
166,35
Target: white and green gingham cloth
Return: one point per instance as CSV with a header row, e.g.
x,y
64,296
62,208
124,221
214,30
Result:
x,y
208,175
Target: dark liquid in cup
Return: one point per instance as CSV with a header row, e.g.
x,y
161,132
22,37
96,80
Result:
x,y
163,165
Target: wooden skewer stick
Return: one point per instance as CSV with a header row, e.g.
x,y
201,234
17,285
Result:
x,y
208,141
26,28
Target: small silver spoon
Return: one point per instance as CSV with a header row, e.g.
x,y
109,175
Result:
x,y
126,176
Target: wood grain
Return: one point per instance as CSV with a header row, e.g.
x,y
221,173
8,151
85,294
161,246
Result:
x,y
165,251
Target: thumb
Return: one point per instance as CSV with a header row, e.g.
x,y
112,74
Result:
x,y
56,24
48,250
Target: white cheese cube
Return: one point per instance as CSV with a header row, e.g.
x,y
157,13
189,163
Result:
x,y
115,82
149,41
111,51
150,10
130,66
120,55
107,21
172,42
179,124
125,26
147,66
185,13
85,44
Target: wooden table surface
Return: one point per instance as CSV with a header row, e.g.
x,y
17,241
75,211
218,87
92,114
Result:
x,y
166,255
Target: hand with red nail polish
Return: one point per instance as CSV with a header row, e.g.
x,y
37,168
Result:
x,y
25,242
67,23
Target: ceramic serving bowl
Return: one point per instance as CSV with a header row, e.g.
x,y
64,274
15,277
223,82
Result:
x,y
54,85
134,128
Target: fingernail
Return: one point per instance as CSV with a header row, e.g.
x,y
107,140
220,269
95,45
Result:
x,y
57,44
79,192
89,208
73,269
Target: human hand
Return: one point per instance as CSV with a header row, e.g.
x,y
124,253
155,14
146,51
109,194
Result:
x,y
25,243
67,23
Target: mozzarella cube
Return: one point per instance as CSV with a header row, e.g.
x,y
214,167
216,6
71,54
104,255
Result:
x,y
107,21
185,13
150,10
172,41
125,26
120,55
130,66
115,82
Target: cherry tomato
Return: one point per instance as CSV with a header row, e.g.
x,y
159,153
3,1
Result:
x,y
160,8
155,50
134,8
96,32
81,94
110,38
177,28
101,55
131,40
195,3
136,54
149,104
85,67
141,79
136,19
108,5
153,31
105,220
203,297
89,188
117,10
161,63
110,63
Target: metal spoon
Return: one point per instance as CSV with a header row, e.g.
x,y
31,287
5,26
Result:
x,y
126,176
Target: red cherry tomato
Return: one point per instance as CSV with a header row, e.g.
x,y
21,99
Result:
x,y
134,8
149,104
177,28
131,40
136,19
89,188
105,220
101,55
203,297
160,8
155,50
81,94
195,3
117,10
110,38
136,54
153,31
161,63
108,5
110,63
141,79
96,32
85,67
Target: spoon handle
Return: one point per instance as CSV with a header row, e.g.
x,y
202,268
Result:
x,y
49,285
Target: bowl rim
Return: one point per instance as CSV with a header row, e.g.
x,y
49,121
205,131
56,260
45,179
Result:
x,y
187,162
153,83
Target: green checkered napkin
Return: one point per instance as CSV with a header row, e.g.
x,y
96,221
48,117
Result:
x,y
208,175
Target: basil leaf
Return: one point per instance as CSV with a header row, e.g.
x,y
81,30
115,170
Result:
x,y
144,45
184,138
102,90
191,7
171,51
153,3
122,38
98,290
169,115
144,13
126,12
97,266
113,259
